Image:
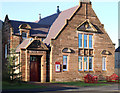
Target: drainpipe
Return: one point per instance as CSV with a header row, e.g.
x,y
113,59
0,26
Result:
x,y
19,63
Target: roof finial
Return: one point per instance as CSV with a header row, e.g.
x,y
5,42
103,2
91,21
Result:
x,y
6,17
39,16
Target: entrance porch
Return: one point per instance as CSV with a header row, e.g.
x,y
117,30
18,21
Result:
x,y
33,60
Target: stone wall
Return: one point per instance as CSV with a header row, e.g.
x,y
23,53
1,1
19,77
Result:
x,y
117,71
23,63
68,38
15,41
5,40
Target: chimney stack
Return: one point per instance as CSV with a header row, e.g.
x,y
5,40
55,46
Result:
x,y
58,11
39,16
84,1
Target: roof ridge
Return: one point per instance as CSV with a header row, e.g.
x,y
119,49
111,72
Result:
x,y
51,15
60,12
24,21
30,22
70,8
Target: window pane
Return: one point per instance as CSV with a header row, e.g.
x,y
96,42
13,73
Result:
x,y
90,63
85,41
64,60
90,41
34,58
85,63
31,58
24,35
103,63
64,63
80,62
15,63
5,50
80,40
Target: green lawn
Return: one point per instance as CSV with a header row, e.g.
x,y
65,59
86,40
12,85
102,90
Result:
x,y
15,85
82,84
8,85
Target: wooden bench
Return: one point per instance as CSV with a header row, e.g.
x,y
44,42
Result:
x,y
112,78
90,78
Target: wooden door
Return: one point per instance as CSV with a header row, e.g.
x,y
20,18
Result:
x,y
34,68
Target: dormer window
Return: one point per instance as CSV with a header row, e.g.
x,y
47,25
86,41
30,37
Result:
x,y
24,35
24,30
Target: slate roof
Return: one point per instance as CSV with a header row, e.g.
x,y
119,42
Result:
x,y
36,29
31,44
40,28
49,20
118,49
23,44
59,23
1,21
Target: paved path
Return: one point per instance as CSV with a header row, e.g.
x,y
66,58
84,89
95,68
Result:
x,y
61,88
100,89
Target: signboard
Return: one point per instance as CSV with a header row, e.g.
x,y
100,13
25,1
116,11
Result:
x,y
57,66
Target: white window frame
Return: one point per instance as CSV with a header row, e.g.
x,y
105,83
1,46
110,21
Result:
x,y
16,62
89,64
80,63
104,63
5,50
66,63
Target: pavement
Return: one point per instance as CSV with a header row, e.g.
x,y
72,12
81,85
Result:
x,y
114,88
61,88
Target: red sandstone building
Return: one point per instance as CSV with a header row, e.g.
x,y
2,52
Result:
x,y
64,46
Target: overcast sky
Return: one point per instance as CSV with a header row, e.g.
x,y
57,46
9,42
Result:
x,y
107,12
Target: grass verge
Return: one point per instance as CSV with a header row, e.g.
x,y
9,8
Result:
x,y
82,84
15,85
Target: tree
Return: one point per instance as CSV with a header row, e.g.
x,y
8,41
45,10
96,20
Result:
x,y
12,67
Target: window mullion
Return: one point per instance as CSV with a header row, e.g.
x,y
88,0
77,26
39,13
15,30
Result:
x,y
88,63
